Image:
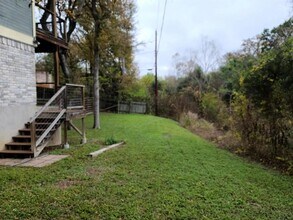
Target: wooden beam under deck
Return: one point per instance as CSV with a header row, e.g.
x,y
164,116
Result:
x,y
48,43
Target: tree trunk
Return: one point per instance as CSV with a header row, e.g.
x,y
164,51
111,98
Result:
x,y
96,94
64,65
96,89
62,53
49,6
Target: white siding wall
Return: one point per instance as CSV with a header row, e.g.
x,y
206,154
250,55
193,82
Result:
x,y
17,15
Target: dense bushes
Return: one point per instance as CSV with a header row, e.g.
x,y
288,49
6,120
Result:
x,y
214,109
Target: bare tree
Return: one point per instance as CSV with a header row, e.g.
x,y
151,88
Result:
x,y
208,55
184,65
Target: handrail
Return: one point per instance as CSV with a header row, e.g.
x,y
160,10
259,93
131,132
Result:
x,y
74,85
75,107
47,104
41,138
70,98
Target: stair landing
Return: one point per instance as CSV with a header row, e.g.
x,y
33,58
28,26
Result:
x,y
40,161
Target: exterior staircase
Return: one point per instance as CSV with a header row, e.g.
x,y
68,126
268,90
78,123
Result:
x,y
22,144
38,132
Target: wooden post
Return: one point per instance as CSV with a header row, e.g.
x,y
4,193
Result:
x,y
83,141
65,144
56,69
83,96
54,19
82,119
33,138
56,56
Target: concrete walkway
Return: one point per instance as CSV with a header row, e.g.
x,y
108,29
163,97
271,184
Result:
x,y
40,161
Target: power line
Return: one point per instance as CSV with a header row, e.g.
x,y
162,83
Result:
x,y
158,12
162,25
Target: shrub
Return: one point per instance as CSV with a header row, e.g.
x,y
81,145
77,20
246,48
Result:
x,y
110,140
214,109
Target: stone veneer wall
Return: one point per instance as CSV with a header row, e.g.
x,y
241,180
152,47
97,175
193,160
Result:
x,y
17,87
17,73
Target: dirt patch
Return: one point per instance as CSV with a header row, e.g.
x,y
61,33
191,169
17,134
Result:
x,y
64,184
94,171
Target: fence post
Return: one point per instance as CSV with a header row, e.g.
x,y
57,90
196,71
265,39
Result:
x,y
83,131
83,96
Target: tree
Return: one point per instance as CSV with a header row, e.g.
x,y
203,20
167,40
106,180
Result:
x,y
98,12
269,83
264,100
190,71
232,73
208,55
69,11
107,25
117,50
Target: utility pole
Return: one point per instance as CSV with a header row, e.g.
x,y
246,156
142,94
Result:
x,y
156,74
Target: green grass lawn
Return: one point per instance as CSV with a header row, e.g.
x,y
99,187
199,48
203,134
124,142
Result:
x,y
163,172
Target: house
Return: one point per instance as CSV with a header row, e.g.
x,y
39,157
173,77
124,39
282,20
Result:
x,y
26,129
17,67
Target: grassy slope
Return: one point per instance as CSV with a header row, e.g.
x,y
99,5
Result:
x,y
163,172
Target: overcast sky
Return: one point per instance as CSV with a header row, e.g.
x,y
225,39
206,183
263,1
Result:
x,y
226,22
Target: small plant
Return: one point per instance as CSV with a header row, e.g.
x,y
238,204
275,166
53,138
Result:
x,y
110,140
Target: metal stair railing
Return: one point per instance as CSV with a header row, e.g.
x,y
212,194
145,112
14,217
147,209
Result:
x,y
47,120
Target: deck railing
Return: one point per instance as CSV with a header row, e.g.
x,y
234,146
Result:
x,y
70,98
52,25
